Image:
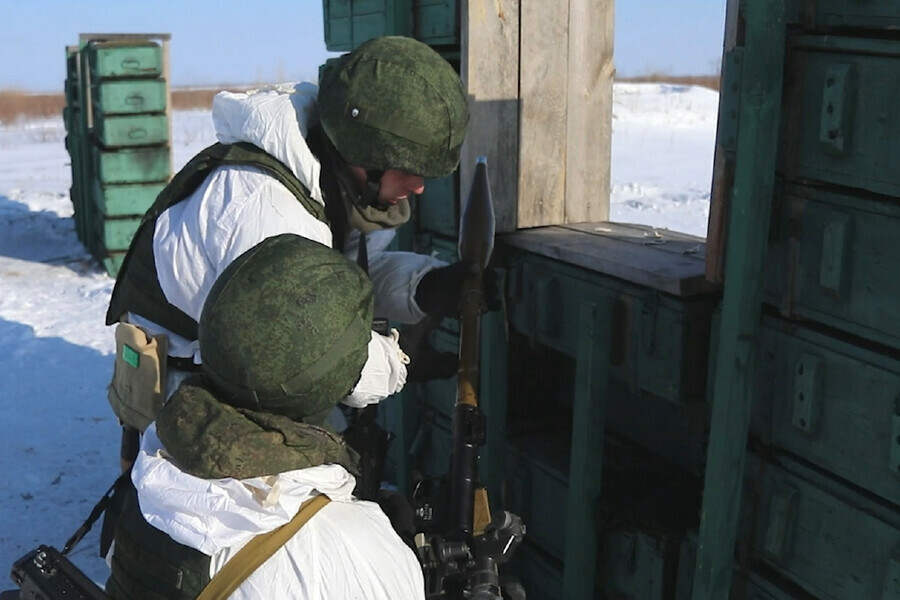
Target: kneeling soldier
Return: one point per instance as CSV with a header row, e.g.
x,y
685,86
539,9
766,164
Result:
x,y
238,455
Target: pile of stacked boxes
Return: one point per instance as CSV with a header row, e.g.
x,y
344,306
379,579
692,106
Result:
x,y
118,138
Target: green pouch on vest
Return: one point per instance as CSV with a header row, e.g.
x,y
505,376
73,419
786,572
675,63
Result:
x,y
138,387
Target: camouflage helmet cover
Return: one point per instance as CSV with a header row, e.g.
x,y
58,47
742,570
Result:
x,y
285,328
395,103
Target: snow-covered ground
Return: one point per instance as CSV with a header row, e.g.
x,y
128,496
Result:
x,y
58,437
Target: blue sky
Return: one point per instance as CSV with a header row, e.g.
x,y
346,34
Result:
x,y
218,42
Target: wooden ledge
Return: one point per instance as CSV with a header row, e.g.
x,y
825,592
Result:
x,y
661,259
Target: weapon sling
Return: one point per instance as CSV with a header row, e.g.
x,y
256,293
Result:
x,y
257,551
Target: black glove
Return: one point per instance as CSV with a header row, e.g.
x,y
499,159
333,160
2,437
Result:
x,y
439,290
425,362
430,364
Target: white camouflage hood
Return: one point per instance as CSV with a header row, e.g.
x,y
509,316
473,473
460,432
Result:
x,y
277,119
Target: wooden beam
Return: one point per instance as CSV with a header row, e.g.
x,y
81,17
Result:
x,y
543,93
723,170
750,212
586,465
589,117
490,72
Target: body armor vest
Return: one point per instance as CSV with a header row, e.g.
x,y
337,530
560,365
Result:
x,y
149,565
137,288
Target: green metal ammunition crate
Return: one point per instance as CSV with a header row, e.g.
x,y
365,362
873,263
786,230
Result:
x,y
125,200
754,586
833,260
131,130
658,339
116,234
349,23
113,60
641,535
437,210
830,403
113,262
537,469
827,538
132,165
437,22
875,14
129,97
845,119
539,573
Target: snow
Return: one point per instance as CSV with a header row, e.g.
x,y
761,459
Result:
x,y
59,439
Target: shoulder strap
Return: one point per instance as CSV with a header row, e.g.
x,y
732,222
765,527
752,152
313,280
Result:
x,y
241,153
257,551
137,287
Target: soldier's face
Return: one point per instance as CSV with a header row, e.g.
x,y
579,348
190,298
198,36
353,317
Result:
x,y
395,184
398,185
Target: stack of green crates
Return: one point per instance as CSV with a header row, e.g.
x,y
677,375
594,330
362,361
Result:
x,y
118,138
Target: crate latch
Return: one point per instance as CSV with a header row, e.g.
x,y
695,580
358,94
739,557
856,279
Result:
x,y
782,516
809,372
834,270
838,100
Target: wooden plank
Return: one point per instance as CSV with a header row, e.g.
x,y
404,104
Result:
x,y
750,211
723,170
591,385
490,73
543,91
589,104
675,267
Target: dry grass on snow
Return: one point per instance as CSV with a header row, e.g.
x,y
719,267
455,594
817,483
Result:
x,y
16,104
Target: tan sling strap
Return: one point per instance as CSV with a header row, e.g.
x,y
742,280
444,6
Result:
x,y
257,551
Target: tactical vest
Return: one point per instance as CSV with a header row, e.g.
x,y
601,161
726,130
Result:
x,y
149,565
137,289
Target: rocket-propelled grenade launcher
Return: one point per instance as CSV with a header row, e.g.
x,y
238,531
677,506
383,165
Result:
x,y
476,242
466,562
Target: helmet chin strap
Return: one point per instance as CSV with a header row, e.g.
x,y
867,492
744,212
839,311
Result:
x,y
373,187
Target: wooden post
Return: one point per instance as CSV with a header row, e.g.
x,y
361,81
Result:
x,y
539,78
490,72
750,212
723,169
591,383
589,119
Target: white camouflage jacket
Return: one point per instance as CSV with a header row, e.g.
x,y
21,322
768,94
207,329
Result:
x,y
347,551
238,207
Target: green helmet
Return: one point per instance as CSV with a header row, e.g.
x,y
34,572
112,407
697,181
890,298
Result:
x,y
286,327
394,103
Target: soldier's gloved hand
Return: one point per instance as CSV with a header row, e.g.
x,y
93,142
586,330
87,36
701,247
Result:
x,y
439,290
425,361
429,363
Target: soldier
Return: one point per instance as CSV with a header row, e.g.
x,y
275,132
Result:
x,y
235,453
335,164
